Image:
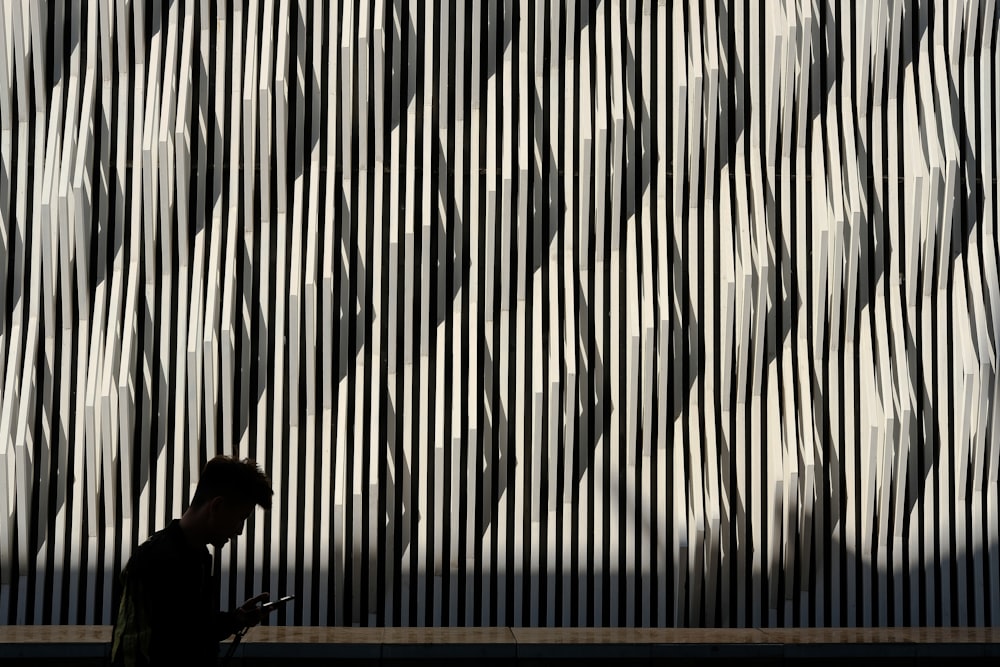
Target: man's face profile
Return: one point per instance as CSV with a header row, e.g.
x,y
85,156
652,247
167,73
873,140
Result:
x,y
228,518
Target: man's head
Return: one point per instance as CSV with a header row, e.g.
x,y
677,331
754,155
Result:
x,y
227,493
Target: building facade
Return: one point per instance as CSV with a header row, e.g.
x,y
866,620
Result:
x,y
601,313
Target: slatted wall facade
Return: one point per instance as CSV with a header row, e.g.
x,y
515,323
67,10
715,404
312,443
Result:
x,y
537,313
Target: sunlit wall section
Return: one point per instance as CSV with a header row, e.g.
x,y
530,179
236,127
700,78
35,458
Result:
x,y
610,313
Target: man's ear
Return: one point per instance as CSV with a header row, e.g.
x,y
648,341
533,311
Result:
x,y
216,505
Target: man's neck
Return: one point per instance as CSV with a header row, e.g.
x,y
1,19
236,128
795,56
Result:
x,y
191,527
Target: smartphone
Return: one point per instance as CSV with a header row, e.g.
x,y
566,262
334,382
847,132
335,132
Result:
x,y
268,606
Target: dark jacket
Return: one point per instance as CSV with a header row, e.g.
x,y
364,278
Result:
x,y
169,609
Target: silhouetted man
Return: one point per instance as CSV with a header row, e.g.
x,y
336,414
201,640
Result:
x,y
169,611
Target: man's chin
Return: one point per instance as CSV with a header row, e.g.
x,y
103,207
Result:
x,y
220,543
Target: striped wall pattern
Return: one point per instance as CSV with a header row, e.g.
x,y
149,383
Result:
x,y
537,313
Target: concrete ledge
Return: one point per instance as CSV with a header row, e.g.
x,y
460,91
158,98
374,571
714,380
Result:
x,y
54,641
448,644
269,645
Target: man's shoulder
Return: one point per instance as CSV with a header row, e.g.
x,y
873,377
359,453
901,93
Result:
x,y
159,547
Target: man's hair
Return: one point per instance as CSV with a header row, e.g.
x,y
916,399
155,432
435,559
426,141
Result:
x,y
233,479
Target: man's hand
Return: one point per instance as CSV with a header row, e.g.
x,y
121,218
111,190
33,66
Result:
x,y
250,613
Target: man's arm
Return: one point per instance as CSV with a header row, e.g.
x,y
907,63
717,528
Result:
x,y
133,634
247,615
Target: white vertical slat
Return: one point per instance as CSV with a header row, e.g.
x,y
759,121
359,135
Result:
x,y
312,294
406,252
272,322
709,307
945,357
581,393
429,581
601,345
23,442
17,22
697,496
235,373
6,85
550,267
436,208
285,169
810,441
297,276
173,238
48,446
727,338
219,303
326,382
158,358
6,241
791,471
989,158
472,53
83,188
25,448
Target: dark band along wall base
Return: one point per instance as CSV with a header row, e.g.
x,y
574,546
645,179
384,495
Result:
x,y
537,313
